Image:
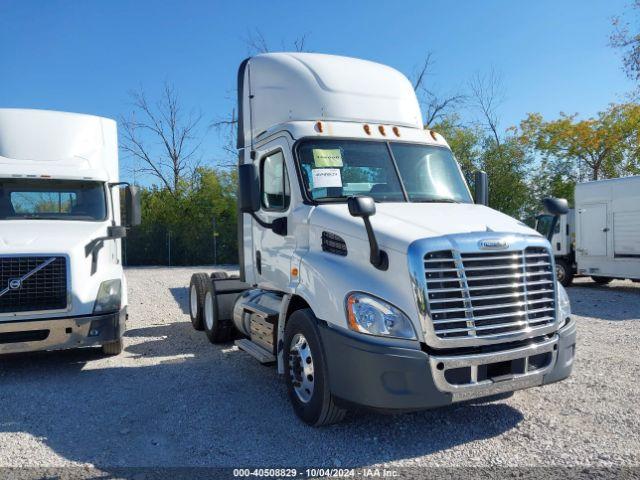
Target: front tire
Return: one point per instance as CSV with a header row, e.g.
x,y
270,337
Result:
x,y
307,376
564,272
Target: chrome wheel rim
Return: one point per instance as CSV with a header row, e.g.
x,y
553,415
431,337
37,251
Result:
x,y
193,299
208,311
301,369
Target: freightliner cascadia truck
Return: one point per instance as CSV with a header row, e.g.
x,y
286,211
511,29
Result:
x,y
368,275
61,279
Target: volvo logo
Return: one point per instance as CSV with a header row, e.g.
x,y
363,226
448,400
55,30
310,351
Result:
x,y
493,244
15,284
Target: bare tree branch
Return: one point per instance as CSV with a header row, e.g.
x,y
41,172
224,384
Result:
x,y
256,43
162,124
487,94
434,106
417,84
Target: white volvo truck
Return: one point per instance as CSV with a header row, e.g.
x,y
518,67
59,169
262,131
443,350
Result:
x,y
367,273
61,279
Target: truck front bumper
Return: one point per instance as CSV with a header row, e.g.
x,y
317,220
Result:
x,y
61,333
367,372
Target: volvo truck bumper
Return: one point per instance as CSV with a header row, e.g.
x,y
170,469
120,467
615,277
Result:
x,y
61,333
366,372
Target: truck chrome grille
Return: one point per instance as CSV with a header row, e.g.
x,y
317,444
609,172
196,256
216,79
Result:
x,y
484,294
33,284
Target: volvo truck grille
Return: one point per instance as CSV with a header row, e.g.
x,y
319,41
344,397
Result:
x,y
33,284
484,294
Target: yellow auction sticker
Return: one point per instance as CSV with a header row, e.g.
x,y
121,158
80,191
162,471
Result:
x,y
327,158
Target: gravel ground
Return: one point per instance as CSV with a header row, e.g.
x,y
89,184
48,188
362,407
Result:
x,y
173,399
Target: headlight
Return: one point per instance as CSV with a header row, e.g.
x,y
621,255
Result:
x,y
564,305
109,295
368,314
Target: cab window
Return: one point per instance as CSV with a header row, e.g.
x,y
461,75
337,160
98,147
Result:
x,y
276,194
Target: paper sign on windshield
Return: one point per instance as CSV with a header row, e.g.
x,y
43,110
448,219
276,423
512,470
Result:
x,y
327,158
326,178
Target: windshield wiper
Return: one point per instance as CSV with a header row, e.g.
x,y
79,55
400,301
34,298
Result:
x,y
436,200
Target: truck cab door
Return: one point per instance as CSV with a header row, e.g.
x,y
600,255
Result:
x,y
273,251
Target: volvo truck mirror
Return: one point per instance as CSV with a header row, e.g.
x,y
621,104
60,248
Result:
x,y
249,188
481,182
364,207
133,216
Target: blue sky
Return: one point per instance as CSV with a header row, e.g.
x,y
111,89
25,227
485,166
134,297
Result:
x,y
84,56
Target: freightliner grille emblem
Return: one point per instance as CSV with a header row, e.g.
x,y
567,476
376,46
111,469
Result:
x,y
493,244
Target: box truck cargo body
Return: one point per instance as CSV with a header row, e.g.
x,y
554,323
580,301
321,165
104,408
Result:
x,y
61,278
368,274
608,228
600,237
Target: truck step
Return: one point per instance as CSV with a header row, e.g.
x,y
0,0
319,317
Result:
x,y
263,355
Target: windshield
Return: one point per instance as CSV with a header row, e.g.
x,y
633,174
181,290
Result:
x,y
333,170
22,199
543,224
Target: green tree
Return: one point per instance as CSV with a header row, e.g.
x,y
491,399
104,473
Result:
x,y
606,146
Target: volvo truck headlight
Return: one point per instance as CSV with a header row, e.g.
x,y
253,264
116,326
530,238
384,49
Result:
x,y
368,314
564,305
109,297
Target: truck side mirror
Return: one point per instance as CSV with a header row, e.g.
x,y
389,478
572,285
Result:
x,y
364,207
133,215
361,206
555,207
481,181
248,188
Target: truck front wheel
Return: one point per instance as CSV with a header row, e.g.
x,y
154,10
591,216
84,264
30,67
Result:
x,y
306,374
564,272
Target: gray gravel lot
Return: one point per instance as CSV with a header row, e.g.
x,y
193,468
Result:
x,y
173,399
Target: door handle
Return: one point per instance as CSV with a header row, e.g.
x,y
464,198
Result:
x,y
605,229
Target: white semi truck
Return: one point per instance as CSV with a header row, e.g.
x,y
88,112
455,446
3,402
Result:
x,y
600,237
61,279
367,273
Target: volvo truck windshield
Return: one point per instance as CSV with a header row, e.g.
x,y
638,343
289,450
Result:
x,y
46,199
387,171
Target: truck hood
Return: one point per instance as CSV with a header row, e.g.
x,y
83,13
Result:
x,y
36,236
397,225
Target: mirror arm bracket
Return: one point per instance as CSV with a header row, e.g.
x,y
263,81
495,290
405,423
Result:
x,y
377,257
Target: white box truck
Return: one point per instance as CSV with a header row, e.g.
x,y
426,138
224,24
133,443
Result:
x,y
61,279
368,274
600,237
